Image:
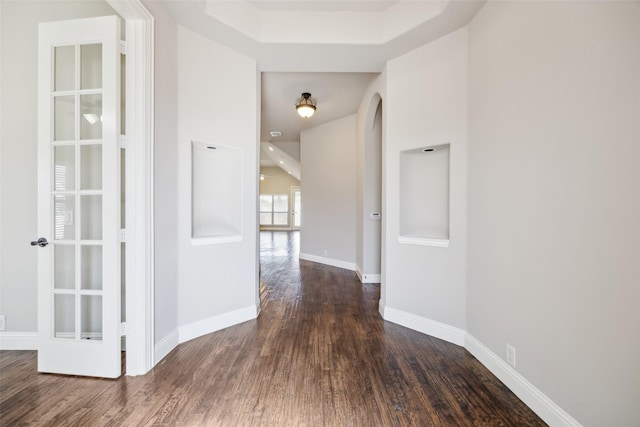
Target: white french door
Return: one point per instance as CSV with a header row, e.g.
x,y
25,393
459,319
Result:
x,y
79,197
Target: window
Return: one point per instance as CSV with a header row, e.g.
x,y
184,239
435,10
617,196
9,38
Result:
x,y
274,209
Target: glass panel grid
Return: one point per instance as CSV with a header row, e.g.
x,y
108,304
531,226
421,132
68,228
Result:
x,y
91,317
280,218
76,192
91,221
64,168
274,209
91,267
64,266
91,167
64,214
91,116
64,309
91,66
265,218
64,123
64,58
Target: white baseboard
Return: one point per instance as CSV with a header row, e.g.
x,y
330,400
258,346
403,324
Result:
x,y
328,261
535,399
367,277
215,323
18,340
539,403
426,326
165,345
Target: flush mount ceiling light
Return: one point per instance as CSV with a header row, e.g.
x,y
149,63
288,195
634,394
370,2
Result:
x,y
305,106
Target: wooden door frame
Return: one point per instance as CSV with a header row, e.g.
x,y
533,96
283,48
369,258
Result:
x,y
139,26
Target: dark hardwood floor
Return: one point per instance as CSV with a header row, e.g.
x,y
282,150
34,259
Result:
x,y
318,355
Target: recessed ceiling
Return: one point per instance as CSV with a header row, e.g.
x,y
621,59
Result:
x,y
324,6
337,95
314,36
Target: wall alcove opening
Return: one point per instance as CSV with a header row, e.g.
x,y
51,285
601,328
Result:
x,y
216,193
424,196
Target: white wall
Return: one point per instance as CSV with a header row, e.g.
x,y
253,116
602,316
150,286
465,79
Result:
x,y
369,181
554,234
217,103
426,104
18,144
292,148
328,186
277,181
165,172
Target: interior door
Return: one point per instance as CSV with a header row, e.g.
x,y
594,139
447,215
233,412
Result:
x,y
297,206
79,197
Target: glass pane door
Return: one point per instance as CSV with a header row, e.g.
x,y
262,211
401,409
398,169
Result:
x,y
79,197
76,151
297,207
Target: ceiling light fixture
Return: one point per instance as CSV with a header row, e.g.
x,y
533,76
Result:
x,y
305,106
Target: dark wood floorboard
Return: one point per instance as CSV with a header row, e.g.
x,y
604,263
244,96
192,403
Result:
x,y
318,355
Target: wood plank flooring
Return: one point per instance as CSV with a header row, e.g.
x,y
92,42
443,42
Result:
x,y
318,355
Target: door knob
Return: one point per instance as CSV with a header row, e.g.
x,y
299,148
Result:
x,y
42,242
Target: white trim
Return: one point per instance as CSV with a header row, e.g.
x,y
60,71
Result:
x,y
83,335
367,277
535,399
139,190
426,326
381,307
216,323
166,345
216,240
328,261
18,340
423,241
544,407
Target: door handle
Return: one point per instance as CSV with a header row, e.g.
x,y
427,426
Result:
x,y
42,242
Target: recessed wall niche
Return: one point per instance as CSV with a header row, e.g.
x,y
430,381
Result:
x,y
216,193
424,196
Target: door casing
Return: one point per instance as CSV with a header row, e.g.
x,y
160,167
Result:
x,y
139,28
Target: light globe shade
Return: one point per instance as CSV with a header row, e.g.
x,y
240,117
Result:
x,y
306,110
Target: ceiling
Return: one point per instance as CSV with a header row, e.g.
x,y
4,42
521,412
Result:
x,y
322,35
337,95
326,5
330,48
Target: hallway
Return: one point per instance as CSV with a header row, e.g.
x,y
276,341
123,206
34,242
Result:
x,y
318,355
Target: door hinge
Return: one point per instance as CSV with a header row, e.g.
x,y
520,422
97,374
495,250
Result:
x,y
123,235
122,141
123,47
123,329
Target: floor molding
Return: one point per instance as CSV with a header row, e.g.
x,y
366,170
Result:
x,y
165,345
426,326
18,340
367,277
216,323
328,261
535,399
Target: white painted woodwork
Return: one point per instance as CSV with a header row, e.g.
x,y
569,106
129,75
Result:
x,y
71,351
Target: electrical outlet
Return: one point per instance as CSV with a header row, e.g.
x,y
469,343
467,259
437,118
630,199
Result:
x,y
511,355
3,319
324,252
